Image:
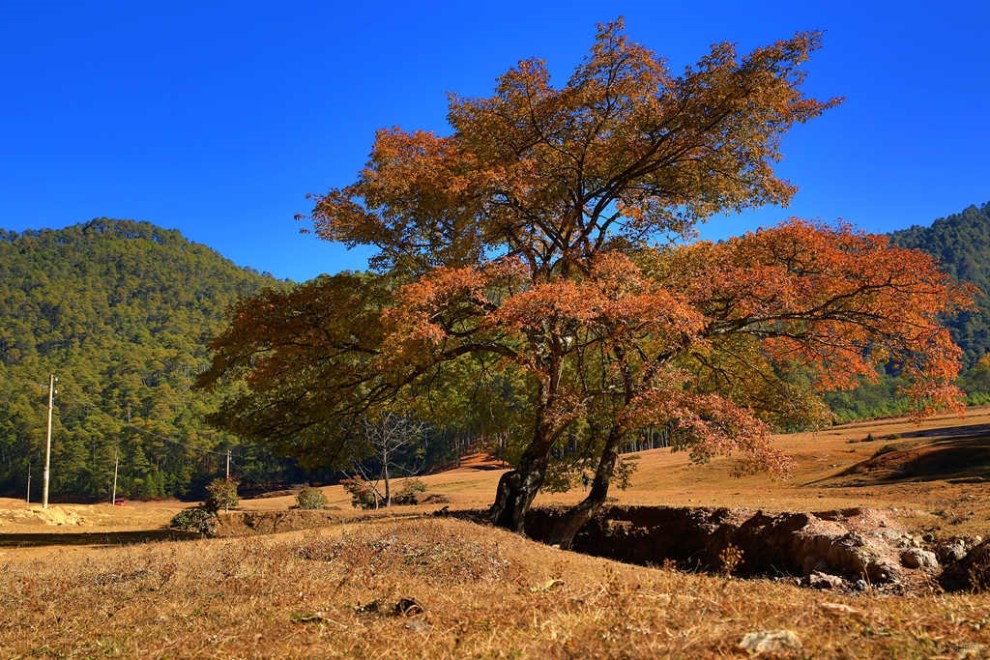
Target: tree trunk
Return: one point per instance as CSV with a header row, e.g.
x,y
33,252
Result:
x,y
388,491
517,488
564,530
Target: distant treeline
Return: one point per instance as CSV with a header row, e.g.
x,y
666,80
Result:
x,y
121,311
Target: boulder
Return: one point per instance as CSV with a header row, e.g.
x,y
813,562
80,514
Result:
x,y
918,558
819,580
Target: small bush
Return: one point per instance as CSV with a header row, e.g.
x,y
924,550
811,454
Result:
x,y
311,498
362,494
409,495
221,494
200,520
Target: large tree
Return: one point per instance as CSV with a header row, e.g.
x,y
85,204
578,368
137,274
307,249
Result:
x,y
554,231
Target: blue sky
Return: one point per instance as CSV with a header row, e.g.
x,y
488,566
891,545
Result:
x,y
216,118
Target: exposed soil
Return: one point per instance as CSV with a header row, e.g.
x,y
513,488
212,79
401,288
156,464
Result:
x,y
852,549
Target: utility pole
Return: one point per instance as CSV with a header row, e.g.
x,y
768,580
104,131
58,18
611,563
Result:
x,y
228,463
116,462
29,484
48,443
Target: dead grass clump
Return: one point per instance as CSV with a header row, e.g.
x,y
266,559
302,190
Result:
x,y
424,551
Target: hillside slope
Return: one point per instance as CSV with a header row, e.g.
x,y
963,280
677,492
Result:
x,y
961,244
121,311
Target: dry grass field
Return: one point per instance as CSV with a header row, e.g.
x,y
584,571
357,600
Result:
x,y
102,583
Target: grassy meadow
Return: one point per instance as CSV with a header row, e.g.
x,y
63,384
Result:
x,y
422,586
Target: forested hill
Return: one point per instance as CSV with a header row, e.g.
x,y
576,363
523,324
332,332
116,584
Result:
x,y
961,243
121,311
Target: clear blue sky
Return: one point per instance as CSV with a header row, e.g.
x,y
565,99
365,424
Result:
x,y
216,118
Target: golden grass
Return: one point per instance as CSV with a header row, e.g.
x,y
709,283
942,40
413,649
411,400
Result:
x,y
484,592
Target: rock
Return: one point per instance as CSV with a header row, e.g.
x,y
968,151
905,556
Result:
x,y
417,626
851,544
840,608
953,550
971,573
819,580
771,641
918,558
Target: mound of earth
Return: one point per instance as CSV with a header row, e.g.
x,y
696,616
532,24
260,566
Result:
x,y
54,515
250,523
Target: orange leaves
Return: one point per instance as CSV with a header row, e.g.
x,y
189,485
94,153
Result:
x,y
615,302
834,300
708,425
624,148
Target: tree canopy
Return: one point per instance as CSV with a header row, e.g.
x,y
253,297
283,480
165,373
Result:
x,y
551,238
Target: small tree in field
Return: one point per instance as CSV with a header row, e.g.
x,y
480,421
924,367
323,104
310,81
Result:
x,y
386,438
311,498
221,494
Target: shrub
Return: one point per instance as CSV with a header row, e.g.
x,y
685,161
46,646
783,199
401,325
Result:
x,y
362,494
311,498
221,494
409,495
199,519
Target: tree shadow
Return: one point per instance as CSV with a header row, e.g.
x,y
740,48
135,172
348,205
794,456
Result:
x,y
950,432
29,540
960,458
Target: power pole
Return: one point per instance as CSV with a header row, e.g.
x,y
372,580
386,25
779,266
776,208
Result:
x,y
228,463
48,443
116,462
29,484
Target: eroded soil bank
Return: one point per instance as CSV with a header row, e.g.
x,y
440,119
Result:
x,y
851,549
846,550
